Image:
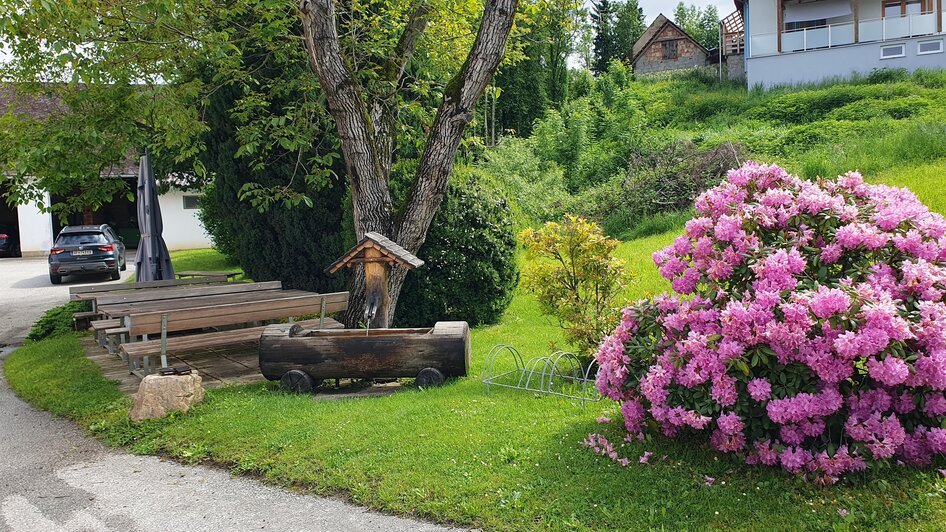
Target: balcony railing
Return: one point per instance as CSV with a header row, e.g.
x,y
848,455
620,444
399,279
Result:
x,y
842,34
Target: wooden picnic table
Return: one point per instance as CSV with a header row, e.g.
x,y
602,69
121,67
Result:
x,y
180,293
224,275
89,292
119,310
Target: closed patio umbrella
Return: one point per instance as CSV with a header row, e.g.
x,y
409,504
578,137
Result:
x,y
153,262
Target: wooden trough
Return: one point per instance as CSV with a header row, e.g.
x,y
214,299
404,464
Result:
x,y
300,358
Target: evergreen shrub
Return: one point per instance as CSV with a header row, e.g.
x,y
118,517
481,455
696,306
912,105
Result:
x,y
470,270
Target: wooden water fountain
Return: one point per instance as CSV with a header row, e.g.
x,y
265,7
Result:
x,y
301,358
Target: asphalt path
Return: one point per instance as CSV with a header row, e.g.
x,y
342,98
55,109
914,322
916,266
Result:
x,y
25,293
55,478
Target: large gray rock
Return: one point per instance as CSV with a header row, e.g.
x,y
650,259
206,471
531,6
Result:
x,y
160,395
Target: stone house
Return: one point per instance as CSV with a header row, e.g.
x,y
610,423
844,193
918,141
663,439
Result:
x,y
665,46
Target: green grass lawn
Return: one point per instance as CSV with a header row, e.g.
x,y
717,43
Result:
x,y
203,260
456,454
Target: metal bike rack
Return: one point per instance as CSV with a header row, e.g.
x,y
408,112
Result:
x,y
560,374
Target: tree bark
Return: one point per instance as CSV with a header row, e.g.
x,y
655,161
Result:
x,y
367,140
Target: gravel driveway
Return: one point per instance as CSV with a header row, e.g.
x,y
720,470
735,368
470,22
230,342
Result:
x,y
25,293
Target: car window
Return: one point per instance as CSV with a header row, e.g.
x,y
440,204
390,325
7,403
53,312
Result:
x,y
79,239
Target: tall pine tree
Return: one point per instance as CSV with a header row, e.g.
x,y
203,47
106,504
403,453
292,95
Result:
x,y
628,26
605,42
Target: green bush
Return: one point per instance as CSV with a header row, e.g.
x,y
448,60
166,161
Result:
x,y
292,245
577,279
57,321
871,108
470,270
803,106
534,186
806,136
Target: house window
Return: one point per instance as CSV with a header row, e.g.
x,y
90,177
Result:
x,y
893,51
902,8
929,47
669,49
191,202
802,24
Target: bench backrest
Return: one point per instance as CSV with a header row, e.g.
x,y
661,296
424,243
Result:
x,y
162,294
237,313
94,289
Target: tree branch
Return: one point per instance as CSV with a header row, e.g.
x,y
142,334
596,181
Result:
x,y
348,108
454,114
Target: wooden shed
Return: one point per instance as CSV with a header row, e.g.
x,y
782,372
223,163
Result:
x,y
665,46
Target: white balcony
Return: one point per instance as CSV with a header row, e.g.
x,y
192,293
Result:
x,y
843,34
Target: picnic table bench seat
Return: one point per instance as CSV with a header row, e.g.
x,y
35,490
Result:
x,y
161,322
89,291
226,276
83,320
104,328
209,340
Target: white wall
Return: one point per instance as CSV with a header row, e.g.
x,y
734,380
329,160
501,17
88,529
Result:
x,y
763,17
761,27
36,229
182,228
816,66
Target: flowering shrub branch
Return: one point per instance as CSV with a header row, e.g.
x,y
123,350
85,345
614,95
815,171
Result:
x,y
809,329
578,278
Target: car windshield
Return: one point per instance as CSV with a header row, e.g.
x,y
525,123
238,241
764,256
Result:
x,y
79,239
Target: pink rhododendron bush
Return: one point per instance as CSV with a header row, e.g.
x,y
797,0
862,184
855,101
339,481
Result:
x,y
809,331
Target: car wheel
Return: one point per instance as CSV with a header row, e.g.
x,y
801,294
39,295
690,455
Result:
x,y
115,275
124,263
55,279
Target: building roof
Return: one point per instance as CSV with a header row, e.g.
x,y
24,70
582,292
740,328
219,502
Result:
x,y
392,253
41,107
653,31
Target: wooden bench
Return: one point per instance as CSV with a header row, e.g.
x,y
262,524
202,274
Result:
x,y
226,276
198,342
88,291
129,298
83,320
103,328
161,323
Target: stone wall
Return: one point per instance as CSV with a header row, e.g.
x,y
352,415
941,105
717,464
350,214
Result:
x,y
689,54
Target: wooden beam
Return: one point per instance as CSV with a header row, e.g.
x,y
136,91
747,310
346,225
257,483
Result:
x,y
857,23
781,25
939,16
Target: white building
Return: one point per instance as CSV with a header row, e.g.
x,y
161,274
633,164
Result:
x,y
35,229
791,42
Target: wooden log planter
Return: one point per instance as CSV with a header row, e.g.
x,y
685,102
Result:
x,y
300,358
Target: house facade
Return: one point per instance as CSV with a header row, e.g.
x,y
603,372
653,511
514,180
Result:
x,y
790,42
664,47
34,230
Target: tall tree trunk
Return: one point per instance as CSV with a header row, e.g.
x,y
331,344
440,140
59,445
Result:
x,y
368,162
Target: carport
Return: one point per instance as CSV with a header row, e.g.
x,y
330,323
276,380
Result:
x,y
9,223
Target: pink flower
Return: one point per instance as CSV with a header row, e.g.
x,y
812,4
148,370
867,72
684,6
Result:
x,y
829,301
645,458
708,480
759,389
603,419
822,300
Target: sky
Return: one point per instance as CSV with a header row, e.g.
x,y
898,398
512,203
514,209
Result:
x,y
652,8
